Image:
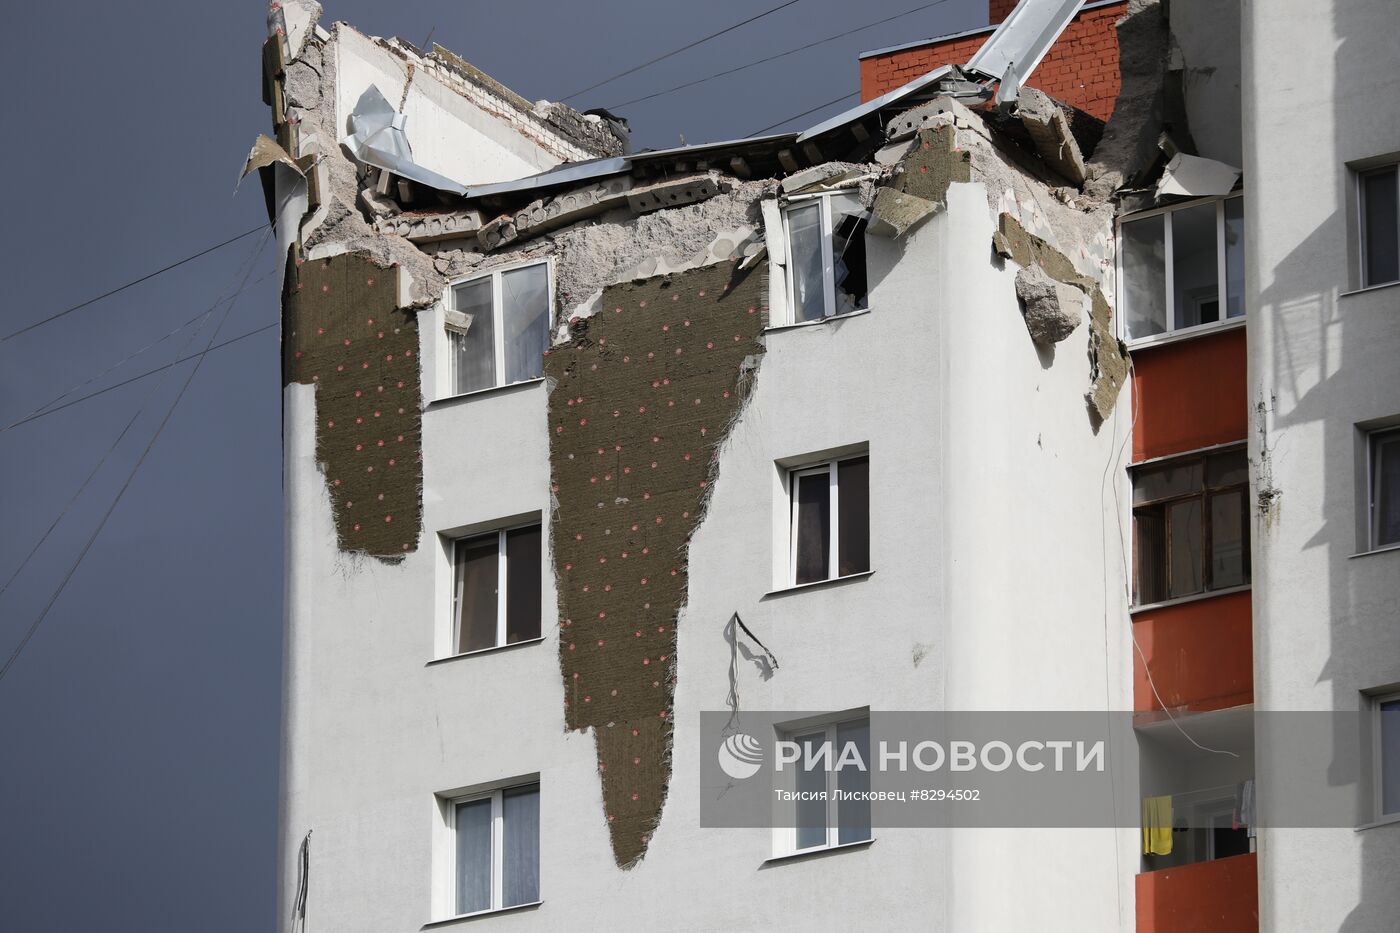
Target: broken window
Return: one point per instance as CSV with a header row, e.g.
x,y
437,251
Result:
x,y
830,520
1384,470
496,589
1191,526
826,256
1173,263
499,328
496,849
826,763
1380,226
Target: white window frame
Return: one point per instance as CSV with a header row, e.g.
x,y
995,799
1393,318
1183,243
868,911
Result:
x,y
785,837
502,593
1372,449
823,198
1169,260
833,552
448,381
1361,229
1378,757
496,794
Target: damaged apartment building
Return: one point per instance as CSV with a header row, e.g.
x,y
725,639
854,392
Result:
x,y
949,399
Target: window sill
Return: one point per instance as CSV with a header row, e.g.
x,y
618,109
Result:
x,y
479,915
1186,333
775,328
817,584
1370,288
1390,819
480,651
816,853
1383,549
447,400
1193,598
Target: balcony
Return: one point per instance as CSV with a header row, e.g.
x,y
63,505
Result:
x,y
1200,653
1219,896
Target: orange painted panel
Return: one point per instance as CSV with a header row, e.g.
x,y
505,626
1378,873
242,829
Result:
x,y
1080,69
1201,654
1190,394
1208,897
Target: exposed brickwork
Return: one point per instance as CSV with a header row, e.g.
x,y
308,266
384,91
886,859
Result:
x,y
998,10
1081,69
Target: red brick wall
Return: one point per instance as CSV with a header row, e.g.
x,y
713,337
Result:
x,y
1080,69
998,10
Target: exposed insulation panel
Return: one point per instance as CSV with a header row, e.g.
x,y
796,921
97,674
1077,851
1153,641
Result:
x,y
343,333
641,401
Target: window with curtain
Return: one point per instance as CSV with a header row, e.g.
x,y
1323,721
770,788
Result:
x,y
501,328
830,520
826,256
1190,525
822,820
496,589
1182,267
496,849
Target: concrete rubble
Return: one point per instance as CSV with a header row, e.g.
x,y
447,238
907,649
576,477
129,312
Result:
x,y
1052,309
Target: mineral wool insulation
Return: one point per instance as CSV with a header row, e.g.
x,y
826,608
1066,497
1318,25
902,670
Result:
x,y
642,399
342,333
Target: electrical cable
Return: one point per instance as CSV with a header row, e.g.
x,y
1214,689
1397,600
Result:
x,y
120,288
684,48
102,523
770,58
802,114
150,372
249,262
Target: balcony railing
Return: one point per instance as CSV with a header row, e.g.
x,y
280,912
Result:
x,y
1219,896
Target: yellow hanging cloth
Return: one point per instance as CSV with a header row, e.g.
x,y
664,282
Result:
x,y
1157,825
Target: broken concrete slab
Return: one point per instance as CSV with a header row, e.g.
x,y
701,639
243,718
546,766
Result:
x,y
895,213
1049,129
808,177
1193,177
1052,309
674,192
433,227
1129,139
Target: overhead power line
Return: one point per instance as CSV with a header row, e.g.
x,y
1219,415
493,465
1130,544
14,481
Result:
x,y
770,58
203,318
795,116
684,48
120,288
92,538
150,372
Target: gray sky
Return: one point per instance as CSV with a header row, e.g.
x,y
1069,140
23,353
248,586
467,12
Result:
x,y
139,728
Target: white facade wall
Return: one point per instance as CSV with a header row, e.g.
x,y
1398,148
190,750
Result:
x,y
1321,90
993,515
450,134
